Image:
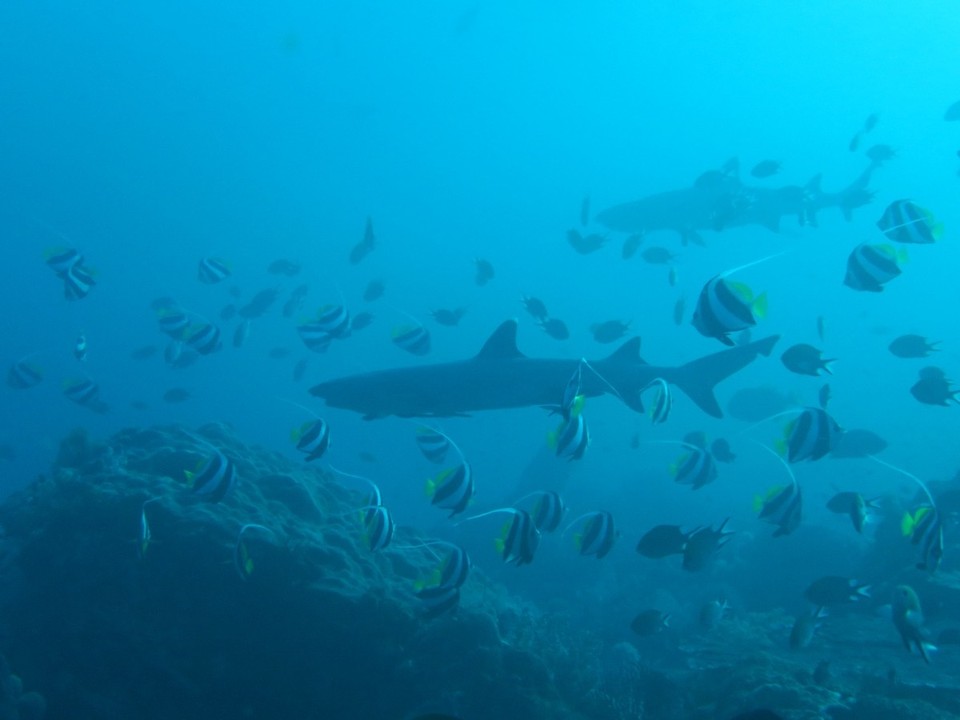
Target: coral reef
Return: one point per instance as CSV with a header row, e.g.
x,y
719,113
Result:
x,y
123,593
117,623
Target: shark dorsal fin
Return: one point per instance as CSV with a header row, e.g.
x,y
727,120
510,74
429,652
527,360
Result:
x,y
502,344
628,352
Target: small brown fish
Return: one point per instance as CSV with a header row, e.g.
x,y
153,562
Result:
x,y
912,346
630,245
804,359
656,255
650,622
609,331
484,271
555,328
679,309
448,318
374,290
284,267
365,246
176,395
765,169
585,244
144,353
299,369
933,388
535,306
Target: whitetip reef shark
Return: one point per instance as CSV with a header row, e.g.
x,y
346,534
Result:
x,y
500,376
719,200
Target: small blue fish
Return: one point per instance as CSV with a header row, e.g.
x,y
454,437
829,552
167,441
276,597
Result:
x,y
213,270
213,478
312,438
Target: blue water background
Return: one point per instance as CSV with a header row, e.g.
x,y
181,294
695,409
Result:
x,y
151,135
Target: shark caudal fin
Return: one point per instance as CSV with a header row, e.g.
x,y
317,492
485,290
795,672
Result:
x,y
698,378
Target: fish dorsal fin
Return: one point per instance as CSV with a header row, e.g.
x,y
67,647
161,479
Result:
x,y
628,352
502,344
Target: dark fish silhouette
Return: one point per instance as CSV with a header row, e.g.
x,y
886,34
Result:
x,y
912,346
363,248
765,168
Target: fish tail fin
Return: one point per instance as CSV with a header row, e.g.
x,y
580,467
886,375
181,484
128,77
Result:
x,y
698,378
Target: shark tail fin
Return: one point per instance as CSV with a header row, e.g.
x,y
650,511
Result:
x,y
698,378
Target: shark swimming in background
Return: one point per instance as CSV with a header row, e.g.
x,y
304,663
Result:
x,y
500,376
719,200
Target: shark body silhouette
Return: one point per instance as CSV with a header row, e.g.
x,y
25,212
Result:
x,y
500,376
719,200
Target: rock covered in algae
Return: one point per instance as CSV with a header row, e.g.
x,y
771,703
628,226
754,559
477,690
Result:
x,y
117,625
15,704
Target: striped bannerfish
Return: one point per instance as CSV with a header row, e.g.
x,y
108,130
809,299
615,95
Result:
x,y
906,222
452,489
213,270
213,478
